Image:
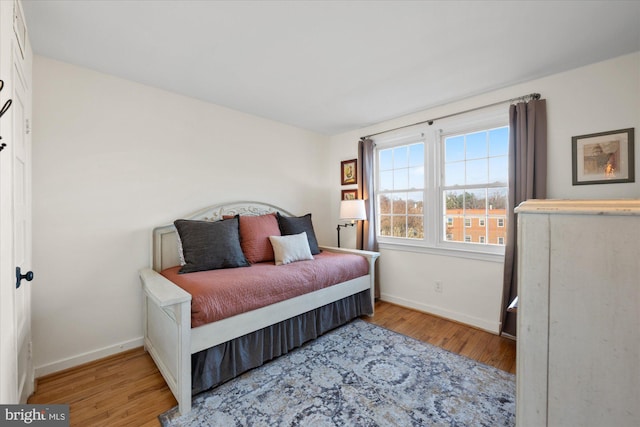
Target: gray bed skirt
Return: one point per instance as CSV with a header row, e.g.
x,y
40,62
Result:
x,y
215,365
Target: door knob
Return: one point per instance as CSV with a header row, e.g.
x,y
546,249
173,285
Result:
x,y
28,276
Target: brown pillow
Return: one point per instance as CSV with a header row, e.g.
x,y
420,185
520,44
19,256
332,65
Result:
x,y
254,236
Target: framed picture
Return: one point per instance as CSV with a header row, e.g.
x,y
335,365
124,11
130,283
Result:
x,y
349,194
349,172
603,158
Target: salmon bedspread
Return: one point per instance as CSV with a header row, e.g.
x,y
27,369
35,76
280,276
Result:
x,y
218,294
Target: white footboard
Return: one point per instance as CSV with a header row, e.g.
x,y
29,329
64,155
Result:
x,y
167,333
371,257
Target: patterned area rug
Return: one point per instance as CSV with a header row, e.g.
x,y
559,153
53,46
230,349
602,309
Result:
x,y
359,375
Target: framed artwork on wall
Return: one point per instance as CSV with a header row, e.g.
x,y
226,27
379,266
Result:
x,y
349,194
349,172
603,158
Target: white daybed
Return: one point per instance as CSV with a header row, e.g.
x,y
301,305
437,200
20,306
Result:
x,y
168,335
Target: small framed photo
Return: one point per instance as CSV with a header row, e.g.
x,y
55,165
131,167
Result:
x,y
603,158
349,172
349,194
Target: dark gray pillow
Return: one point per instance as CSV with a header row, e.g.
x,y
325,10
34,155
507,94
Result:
x,y
210,245
297,224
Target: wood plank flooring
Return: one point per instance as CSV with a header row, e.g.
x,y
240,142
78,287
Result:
x,y
128,390
455,337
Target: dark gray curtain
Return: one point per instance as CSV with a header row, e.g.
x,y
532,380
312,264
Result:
x,y
527,180
366,237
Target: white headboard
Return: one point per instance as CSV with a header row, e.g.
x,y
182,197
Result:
x,y
165,241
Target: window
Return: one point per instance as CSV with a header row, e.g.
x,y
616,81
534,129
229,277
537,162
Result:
x,y
475,181
445,188
401,191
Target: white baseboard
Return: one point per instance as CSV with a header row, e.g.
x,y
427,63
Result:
x,y
476,322
90,356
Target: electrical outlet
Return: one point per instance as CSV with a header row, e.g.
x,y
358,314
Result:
x,y
438,286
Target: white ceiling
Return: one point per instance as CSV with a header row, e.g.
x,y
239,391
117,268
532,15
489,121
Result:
x,y
332,66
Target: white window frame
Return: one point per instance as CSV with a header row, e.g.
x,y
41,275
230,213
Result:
x,y
403,140
435,240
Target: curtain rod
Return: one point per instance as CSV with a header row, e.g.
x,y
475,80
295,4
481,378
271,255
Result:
x,y
530,96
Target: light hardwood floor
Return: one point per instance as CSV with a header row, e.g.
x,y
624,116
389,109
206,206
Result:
x,y
128,390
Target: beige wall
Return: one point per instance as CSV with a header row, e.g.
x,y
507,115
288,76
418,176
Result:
x,y
596,98
111,160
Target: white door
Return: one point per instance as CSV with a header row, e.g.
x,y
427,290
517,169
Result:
x,y
16,367
22,227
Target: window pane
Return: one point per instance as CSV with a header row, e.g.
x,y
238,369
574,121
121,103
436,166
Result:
x,y
454,228
386,159
386,180
400,179
453,220
475,231
454,148
498,169
416,154
454,173
415,203
401,157
399,226
497,231
476,145
499,142
384,205
385,225
416,177
497,198
477,172
399,205
476,200
453,200
415,227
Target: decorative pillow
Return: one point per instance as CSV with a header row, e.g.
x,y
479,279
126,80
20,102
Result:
x,y
210,245
180,252
295,225
292,248
254,236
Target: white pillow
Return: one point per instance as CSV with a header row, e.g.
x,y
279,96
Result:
x,y
291,248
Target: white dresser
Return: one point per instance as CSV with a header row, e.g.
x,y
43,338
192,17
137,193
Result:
x,y
578,351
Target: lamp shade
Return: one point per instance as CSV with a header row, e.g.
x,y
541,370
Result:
x,y
353,210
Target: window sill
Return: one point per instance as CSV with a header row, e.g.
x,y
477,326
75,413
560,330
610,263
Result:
x,y
458,253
